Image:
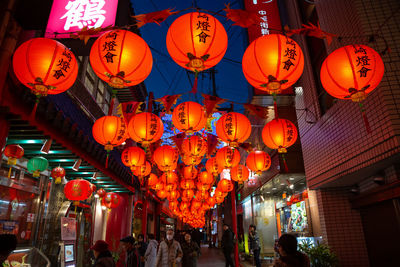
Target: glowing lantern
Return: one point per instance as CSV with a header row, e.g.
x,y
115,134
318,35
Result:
x,y
109,131
352,72
142,170
206,178
194,146
225,185
258,161
173,195
188,193
189,117
184,206
45,66
152,180
272,63
13,152
219,193
169,177
187,184
145,128
202,187
211,202
58,173
36,165
240,173
133,156
173,205
279,134
77,190
159,186
162,194
219,199
111,200
191,161
121,58
166,158
233,128
189,172
195,205
227,157
170,187
101,192
212,166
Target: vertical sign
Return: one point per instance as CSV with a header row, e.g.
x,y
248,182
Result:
x,y
269,13
74,15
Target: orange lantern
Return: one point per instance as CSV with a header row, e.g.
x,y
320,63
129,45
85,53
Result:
x,y
170,187
240,173
159,186
173,205
13,152
196,41
184,206
258,161
211,202
219,193
212,166
142,170
187,184
233,128
219,199
188,194
191,161
145,128
189,172
77,190
152,180
352,72
111,200
166,158
45,66
162,194
58,173
202,194
227,157
279,134
189,117
173,195
206,178
203,187
133,156
121,58
169,177
194,146
109,131
273,63
225,185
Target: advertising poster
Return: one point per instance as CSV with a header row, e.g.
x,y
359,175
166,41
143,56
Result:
x,y
68,228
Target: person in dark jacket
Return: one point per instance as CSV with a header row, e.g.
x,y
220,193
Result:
x,y
227,243
289,256
254,241
191,252
132,256
102,254
141,247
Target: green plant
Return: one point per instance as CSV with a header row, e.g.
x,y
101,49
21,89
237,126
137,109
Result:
x,y
320,254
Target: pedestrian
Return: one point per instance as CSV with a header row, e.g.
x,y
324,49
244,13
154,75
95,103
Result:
x,y
254,241
103,257
289,256
169,252
141,247
191,252
228,244
132,256
8,243
150,255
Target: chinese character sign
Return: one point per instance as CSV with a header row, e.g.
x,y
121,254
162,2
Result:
x,y
74,15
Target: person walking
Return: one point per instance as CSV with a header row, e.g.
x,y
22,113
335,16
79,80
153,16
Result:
x,y
141,247
169,252
150,255
102,254
254,241
289,256
227,243
132,258
191,252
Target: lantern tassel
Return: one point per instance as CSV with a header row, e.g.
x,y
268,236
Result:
x,y
364,115
285,166
108,154
275,106
9,172
33,113
194,88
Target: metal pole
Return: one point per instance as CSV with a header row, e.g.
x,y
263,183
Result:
x,y
234,226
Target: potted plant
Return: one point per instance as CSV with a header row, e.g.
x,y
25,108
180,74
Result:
x,y
320,254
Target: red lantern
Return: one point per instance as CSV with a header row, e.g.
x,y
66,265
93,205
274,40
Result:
x,y
212,166
111,200
145,128
173,195
169,177
189,172
187,184
152,180
206,178
162,194
121,58
101,192
133,156
189,117
188,194
203,187
219,199
219,193
58,173
225,185
191,161
227,157
77,190
279,134
142,170
159,186
170,187
45,66
240,173
194,146
173,205
211,202
196,41
352,72
273,63
184,206
13,152
233,128
258,161
166,158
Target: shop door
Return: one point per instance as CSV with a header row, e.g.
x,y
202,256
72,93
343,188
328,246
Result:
x,y
382,233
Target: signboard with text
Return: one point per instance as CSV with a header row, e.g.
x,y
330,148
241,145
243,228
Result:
x,y
73,15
